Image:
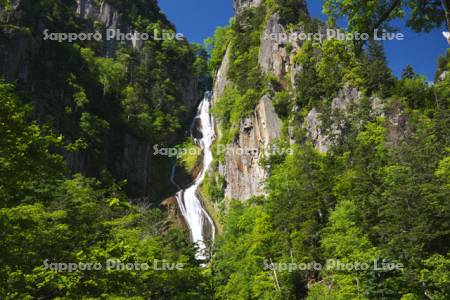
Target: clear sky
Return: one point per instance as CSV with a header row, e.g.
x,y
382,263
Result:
x,y
197,19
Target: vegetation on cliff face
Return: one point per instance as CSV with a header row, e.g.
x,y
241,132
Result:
x,y
47,218
379,196
92,106
104,96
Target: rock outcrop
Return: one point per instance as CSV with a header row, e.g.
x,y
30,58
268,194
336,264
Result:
x,y
221,77
171,206
242,171
443,75
85,9
25,56
313,125
243,174
240,5
346,99
274,56
343,103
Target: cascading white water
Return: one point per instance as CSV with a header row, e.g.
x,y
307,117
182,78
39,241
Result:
x,y
188,200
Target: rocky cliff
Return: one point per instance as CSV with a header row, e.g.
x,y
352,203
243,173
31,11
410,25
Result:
x,y
243,172
322,123
48,74
240,5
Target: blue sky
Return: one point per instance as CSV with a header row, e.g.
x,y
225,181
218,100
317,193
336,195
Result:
x,y
197,19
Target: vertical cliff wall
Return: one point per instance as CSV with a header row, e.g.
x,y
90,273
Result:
x,y
116,98
320,120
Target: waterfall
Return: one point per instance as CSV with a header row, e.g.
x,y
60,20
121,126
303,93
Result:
x,y
196,216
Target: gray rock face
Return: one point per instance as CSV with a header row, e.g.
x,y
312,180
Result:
x,y
111,20
443,75
377,107
243,174
85,9
110,17
313,125
346,98
239,5
135,164
221,77
131,158
190,93
14,57
273,56
17,48
399,128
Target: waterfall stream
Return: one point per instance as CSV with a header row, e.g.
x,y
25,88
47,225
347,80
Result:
x,y
200,223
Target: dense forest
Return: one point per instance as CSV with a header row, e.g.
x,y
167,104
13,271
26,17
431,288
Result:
x,y
358,208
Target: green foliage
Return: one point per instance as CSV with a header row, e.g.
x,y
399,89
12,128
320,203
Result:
x,y
281,103
86,223
364,17
190,155
379,194
427,14
79,96
145,93
27,167
93,127
343,241
335,64
47,219
443,64
443,171
408,72
217,46
111,74
200,65
442,92
436,276
136,111
378,77
213,187
93,98
229,111
309,77
291,11
244,70
416,92
326,68
247,88
391,190
238,262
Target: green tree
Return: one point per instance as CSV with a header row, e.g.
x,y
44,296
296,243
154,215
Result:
x,y
408,72
365,17
27,167
345,243
379,78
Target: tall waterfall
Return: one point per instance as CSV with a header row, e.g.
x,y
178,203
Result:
x,y
200,223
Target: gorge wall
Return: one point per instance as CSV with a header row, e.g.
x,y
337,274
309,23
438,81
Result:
x,y
242,169
103,94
